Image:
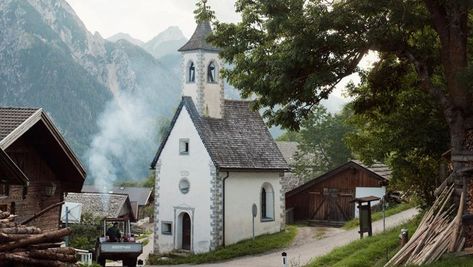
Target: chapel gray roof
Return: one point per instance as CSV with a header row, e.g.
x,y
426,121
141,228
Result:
x,y
116,205
140,195
11,118
239,140
288,150
199,39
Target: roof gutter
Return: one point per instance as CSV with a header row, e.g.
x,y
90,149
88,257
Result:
x,y
223,204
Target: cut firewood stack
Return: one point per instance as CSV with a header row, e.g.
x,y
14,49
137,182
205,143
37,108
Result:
x,y
439,231
22,245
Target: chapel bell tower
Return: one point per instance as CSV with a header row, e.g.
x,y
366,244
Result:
x,y
201,66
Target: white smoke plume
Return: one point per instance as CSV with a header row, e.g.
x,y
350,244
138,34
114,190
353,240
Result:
x,y
128,129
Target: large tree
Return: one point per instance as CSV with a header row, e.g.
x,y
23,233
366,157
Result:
x,y
321,145
290,54
396,123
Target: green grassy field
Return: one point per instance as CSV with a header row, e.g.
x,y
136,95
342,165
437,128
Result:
x,y
370,251
261,244
379,215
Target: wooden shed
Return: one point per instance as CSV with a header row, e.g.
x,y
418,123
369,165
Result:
x,y
328,197
37,167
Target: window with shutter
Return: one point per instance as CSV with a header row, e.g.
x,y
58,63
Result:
x,y
184,146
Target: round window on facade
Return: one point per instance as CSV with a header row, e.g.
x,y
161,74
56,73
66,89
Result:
x,y
184,186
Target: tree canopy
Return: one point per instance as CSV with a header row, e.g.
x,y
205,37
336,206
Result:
x,y
290,54
395,123
321,145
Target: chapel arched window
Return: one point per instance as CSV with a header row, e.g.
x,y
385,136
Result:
x,y
211,73
267,202
191,73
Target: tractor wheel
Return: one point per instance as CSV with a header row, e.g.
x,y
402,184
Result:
x,y
130,262
101,261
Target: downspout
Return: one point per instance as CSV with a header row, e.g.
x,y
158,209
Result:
x,y
223,206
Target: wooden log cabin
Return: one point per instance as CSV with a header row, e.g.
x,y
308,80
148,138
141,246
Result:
x,y
37,166
327,198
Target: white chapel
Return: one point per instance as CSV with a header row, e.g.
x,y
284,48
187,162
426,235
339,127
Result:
x,y
216,161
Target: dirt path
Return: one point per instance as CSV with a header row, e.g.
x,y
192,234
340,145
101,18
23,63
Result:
x,y
304,249
307,234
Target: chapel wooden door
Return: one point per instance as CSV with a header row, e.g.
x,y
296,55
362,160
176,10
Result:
x,y
186,232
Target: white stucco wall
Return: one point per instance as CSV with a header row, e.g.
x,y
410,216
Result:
x,y
242,189
369,191
196,168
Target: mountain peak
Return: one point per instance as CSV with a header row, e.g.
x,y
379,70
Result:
x,y
127,37
172,33
166,42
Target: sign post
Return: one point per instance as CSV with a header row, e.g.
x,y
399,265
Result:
x,y
284,259
365,214
67,225
254,211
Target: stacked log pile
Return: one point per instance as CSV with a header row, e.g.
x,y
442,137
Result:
x,y
439,231
22,245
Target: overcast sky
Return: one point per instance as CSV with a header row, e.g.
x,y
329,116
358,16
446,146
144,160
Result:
x,y
144,19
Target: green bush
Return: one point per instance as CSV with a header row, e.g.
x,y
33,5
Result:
x,y
85,233
148,211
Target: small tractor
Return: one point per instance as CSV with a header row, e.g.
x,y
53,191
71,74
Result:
x,y
125,249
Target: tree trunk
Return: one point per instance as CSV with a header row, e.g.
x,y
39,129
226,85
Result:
x,y
450,21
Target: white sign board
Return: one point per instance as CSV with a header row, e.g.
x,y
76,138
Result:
x,y
75,211
369,191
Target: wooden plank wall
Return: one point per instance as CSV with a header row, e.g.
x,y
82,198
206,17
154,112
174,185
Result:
x,y
307,201
40,175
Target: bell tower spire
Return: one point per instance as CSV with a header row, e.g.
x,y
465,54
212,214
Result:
x,y
201,66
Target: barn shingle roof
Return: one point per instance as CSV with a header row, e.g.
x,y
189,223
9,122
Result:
x,y
240,140
378,168
199,39
12,118
15,122
116,205
140,195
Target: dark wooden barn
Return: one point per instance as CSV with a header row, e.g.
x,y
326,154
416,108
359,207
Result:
x,y
328,197
36,166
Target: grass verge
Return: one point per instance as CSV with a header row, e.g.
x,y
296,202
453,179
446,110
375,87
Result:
x,y
379,215
261,244
450,261
371,251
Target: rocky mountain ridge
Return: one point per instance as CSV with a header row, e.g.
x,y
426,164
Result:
x,y
49,59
